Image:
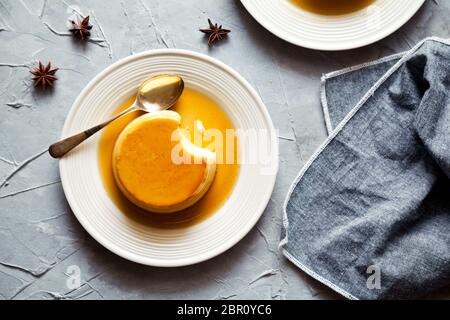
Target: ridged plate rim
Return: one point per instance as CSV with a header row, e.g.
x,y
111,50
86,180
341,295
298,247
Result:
x,y
287,13
267,184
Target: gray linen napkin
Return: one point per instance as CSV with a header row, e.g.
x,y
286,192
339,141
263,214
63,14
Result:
x,y
369,214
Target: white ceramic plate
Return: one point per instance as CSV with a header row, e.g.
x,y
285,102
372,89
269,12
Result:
x,y
302,28
134,240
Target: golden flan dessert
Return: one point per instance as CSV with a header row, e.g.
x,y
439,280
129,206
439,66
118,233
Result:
x,y
157,167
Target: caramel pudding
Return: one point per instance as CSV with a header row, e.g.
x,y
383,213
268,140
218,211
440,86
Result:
x,y
332,7
154,177
191,107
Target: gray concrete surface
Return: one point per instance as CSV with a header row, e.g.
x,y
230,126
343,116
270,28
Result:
x,y
39,236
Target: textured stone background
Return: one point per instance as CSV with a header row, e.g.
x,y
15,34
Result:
x,y
39,236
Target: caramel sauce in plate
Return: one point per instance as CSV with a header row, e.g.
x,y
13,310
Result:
x,y
332,7
192,106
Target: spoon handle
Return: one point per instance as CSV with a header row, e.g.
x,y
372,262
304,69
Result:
x,y
60,148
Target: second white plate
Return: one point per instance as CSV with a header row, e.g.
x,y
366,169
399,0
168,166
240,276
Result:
x,y
332,33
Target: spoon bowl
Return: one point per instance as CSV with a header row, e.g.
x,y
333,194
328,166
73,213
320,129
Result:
x,y
159,92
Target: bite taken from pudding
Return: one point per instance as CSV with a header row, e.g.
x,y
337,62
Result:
x,y
158,168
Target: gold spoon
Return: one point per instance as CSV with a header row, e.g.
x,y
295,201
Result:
x,y
156,93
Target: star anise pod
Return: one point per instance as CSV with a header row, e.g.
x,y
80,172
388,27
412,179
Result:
x,y
44,76
215,32
81,28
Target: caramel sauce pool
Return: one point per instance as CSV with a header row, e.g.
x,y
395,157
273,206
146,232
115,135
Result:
x,y
332,7
192,106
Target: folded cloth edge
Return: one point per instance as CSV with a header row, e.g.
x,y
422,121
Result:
x,y
323,96
404,56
